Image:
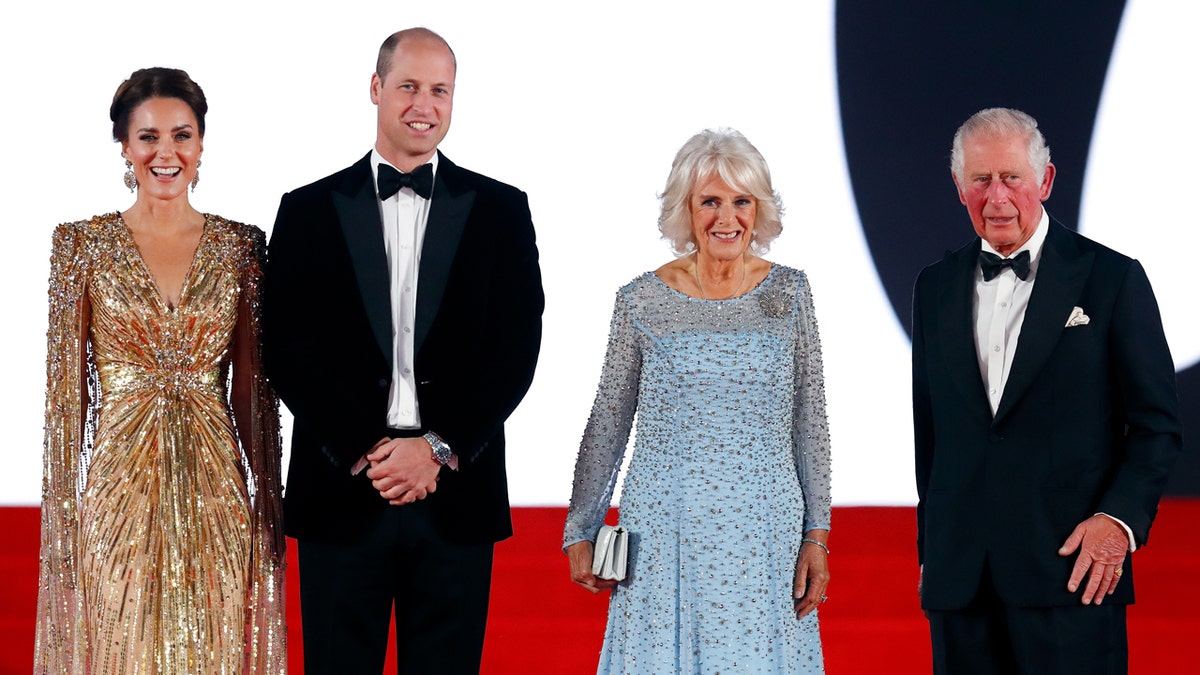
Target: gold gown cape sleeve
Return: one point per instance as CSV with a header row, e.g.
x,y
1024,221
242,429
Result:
x,y
265,622
61,645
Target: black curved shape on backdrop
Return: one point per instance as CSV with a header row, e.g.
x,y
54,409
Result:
x,y
909,73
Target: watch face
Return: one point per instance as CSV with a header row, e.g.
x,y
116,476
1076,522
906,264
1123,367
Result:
x,y
441,451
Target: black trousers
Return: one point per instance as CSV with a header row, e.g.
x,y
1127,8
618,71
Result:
x,y
989,637
439,590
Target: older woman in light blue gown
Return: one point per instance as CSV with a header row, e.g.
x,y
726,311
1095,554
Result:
x,y
727,501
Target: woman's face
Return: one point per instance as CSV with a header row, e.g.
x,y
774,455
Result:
x,y
164,146
722,219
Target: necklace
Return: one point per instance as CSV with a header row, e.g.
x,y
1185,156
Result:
x,y
737,291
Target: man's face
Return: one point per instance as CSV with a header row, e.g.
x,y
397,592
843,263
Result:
x,y
1000,190
415,99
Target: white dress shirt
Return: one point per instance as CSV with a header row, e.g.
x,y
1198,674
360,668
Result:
x,y
999,312
404,216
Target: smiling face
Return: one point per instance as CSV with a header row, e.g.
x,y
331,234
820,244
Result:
x,y
415,99
722,219
1001,191
164,147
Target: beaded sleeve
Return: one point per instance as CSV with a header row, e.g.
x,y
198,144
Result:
x,y
810,430
266,629
607,433
60,643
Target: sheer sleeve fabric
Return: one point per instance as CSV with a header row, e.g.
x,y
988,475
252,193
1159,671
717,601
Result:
x,y
256,413
607,433
810,432
60,645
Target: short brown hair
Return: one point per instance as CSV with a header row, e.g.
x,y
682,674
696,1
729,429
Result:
x,y
149,83
383,63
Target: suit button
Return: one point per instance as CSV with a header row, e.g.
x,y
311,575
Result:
x,y
383,384
995,438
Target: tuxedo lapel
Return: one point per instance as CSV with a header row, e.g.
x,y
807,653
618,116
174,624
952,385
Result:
x,y
448,212
357,210
956,328
1061,275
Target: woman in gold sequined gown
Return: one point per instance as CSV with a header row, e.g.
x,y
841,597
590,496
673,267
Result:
x,y
162,546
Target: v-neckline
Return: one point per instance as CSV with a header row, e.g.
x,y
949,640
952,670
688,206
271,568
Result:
x,y
187,278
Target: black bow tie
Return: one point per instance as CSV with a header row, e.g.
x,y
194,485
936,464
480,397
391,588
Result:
x,y
419,181
992,265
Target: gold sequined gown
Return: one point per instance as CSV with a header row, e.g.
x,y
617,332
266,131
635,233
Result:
x,y
162,546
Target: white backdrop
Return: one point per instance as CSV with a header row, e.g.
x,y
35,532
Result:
x,y
583,108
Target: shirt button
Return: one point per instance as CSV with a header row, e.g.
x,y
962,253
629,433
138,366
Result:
x,y
407,371
996,348
407,329
1004,304
408,289
992,392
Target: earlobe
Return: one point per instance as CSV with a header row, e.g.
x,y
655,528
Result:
x,y
376,85
962,197
1047,182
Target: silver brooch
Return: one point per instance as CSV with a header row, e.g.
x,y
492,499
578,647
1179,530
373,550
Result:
x,y
775,304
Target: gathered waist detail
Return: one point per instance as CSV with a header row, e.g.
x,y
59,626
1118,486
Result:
x,y
122,379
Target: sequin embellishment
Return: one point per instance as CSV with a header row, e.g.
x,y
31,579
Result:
x,y
730,468
162,541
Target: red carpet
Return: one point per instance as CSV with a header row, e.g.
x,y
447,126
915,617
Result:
x,y
541,623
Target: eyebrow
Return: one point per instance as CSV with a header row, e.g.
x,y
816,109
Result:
x,y
413,80
181,127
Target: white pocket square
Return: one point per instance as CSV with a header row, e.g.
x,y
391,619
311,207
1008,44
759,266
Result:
x,y
1077,318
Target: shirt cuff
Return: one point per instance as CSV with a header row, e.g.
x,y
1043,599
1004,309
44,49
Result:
x,y
1128,532
358,467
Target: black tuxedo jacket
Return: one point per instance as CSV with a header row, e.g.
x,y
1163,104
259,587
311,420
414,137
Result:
x,y
328,344
1088,422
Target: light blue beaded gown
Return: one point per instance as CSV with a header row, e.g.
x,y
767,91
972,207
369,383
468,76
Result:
x,y
730,468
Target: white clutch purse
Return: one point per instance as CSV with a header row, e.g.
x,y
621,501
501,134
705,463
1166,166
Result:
x,y
610,556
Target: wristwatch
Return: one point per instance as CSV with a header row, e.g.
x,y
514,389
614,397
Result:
x,y
442,454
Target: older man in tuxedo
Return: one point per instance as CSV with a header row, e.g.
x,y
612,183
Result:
x,y
1046,423
402,324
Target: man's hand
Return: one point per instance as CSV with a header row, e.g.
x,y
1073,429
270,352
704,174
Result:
x,y
579,555
1102,545
403,470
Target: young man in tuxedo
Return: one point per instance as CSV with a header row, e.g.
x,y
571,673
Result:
x,y
402,325
1046,423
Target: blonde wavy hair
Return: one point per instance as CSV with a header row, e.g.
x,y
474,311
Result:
x,y
725,153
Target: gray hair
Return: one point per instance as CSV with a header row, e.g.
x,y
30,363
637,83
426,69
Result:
x,y
725,153
1000,122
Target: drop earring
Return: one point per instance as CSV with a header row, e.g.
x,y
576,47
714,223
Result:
x,y
196,178
130,179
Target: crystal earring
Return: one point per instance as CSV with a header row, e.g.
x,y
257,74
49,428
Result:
x,y
130,179
196,178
